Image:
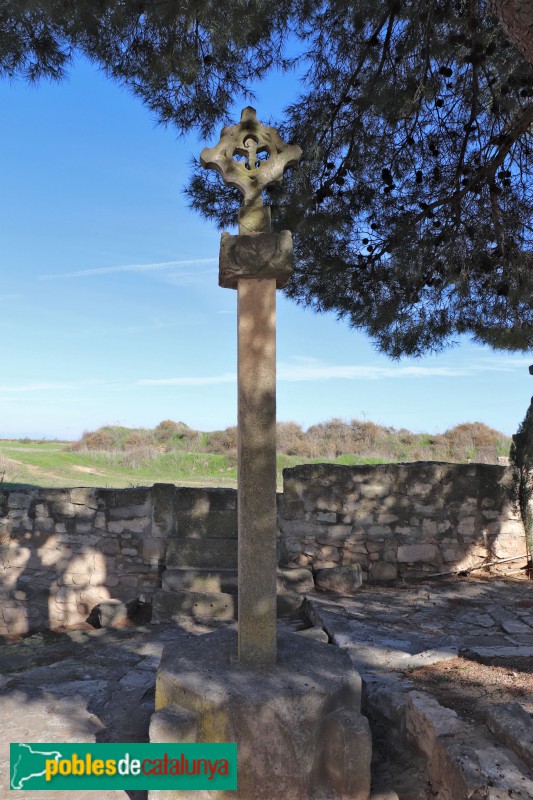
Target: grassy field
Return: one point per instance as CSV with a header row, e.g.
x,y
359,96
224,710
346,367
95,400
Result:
x,y
51,464
172,452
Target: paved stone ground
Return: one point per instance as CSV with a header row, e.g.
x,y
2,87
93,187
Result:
x,y
388,631
79,686
98,685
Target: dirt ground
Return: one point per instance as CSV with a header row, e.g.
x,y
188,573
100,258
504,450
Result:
x,y
469,686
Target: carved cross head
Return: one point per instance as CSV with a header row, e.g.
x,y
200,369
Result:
x,y
250,156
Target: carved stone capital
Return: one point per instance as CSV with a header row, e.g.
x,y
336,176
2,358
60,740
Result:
x,y
256,255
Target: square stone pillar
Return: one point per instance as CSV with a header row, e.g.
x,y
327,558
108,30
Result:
x,y
257,471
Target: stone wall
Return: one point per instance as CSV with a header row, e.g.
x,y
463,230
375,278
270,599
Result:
x,y
62,551
399,520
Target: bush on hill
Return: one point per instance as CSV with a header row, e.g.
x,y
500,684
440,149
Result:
x,y
469,441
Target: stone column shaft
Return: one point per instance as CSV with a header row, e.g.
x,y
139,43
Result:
x,y
257,471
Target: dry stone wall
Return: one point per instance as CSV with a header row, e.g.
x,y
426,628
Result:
x,y
399,520
62,551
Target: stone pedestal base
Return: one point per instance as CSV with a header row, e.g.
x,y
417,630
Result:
x,y
298,727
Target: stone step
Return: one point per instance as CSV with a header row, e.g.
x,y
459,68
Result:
x,y
206,524
203,607
202,553
187,579
513,726
200,580
201,501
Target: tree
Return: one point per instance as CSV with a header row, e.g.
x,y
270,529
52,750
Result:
x,y
516,17
186,60
521,458
412,208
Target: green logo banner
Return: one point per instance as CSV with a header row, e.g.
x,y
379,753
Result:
x,y
54,766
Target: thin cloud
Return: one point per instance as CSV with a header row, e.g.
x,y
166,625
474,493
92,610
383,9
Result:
x,y
153,267
131,330
52,386
309,369
209,380
191,278
320,372
36,387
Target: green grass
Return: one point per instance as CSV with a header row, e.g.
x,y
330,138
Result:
x,y
33,464
115,456
50,464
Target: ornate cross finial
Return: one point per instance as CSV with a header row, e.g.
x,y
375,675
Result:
x,y
250,156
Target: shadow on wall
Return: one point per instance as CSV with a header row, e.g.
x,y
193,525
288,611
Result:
x,y
400,520
65,550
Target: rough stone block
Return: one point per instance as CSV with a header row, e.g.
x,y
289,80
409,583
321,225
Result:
x,y
347,753
374,491
426,720
110,547
467,526
18,500
326,516
84,496
508,545
410,553
200,606
111,612
189,499
62,507
513,726
315,633
200,580
209,524
342,580
130,512
375,531
139,525
295,580
383,571
202,553
80,528
469,767
286,711
154,549
174,724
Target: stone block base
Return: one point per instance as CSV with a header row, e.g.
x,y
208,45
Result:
x,y
202,607
298,727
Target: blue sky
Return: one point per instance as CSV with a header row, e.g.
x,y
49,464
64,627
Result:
x,y
110,310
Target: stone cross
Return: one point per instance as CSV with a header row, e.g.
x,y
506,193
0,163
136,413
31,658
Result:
x,y
251,156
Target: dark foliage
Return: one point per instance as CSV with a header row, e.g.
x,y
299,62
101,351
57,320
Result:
x,y
412,208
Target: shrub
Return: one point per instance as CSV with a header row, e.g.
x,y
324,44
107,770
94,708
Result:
x,y
473,433
101,439
169,431
290,439
222,442
521,457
